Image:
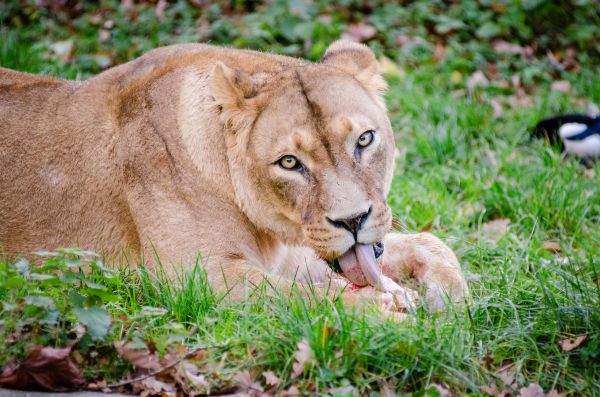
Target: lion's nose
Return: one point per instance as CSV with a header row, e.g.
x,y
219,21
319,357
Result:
x,y
352,223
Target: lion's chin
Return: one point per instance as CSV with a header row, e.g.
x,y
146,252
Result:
x,y
359,264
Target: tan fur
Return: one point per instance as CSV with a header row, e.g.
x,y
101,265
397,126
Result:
x,y
176,152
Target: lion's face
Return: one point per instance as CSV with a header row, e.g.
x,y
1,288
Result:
x,y
314,160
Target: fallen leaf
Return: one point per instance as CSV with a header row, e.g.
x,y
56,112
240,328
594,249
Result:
x,y
271,378
561,86
519,101
46,368
504,47
490,390
189,378
516,81
63,49
303,355
552,246
141,358
497,106
488,360
153,386
571,343
439,52
477,79
103,35
494,230
359,32
247,384
291,392
554,393
533,390
160,8
387,390
507,374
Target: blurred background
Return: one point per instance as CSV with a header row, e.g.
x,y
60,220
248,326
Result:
x,y
541,40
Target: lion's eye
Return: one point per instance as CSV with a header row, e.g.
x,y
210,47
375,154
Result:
x,y
289,162
365,139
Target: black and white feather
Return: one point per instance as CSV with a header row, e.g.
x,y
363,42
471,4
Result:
x,y
576,134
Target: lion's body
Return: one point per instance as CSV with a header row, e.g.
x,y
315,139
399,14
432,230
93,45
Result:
x,y
75,155
137,159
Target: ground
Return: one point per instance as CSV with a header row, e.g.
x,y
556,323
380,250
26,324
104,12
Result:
x,y
523,219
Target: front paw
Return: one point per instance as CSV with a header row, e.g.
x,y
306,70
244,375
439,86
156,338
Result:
x,y
430,262
400,300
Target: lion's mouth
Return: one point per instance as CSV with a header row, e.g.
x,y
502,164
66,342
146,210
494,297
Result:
x,y
359,264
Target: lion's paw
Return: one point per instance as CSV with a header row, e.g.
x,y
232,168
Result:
x,y
427,259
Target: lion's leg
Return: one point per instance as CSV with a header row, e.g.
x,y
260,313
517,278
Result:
x,y
430,262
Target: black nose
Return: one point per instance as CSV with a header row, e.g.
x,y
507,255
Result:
x,y
353,223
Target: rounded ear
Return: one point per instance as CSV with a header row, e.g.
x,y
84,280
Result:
x,y
231,89
359,61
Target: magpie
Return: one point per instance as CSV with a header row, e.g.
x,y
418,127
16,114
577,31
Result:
x,y
576,134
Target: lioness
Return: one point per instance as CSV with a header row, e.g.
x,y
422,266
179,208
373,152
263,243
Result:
x,y
269,166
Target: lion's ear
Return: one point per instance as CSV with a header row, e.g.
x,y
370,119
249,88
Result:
x,y
231,89
359,61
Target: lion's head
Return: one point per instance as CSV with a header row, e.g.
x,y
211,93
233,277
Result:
x,y
311,149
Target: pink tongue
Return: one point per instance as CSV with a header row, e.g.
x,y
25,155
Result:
x,y
360,266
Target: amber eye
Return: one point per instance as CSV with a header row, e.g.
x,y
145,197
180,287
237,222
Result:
x,y
289,162
365,139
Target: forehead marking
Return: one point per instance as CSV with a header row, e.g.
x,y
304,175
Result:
x,y
317,117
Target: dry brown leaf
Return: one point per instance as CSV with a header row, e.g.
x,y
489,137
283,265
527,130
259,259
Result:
x,y
507,374
552,246
387,390
439,52
488,360
571,343
303,355
152,386
504,47
497,106
46,368
554,393
477,79
494,230
247,384
533,390
140,358
160,8
271,378
187,374
63,49
561,86
359,32
519,101
490,390
291,392
103,35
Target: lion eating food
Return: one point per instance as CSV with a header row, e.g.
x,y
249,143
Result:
x,y
271,167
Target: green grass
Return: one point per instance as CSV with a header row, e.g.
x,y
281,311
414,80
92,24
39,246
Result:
x,y
458,168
